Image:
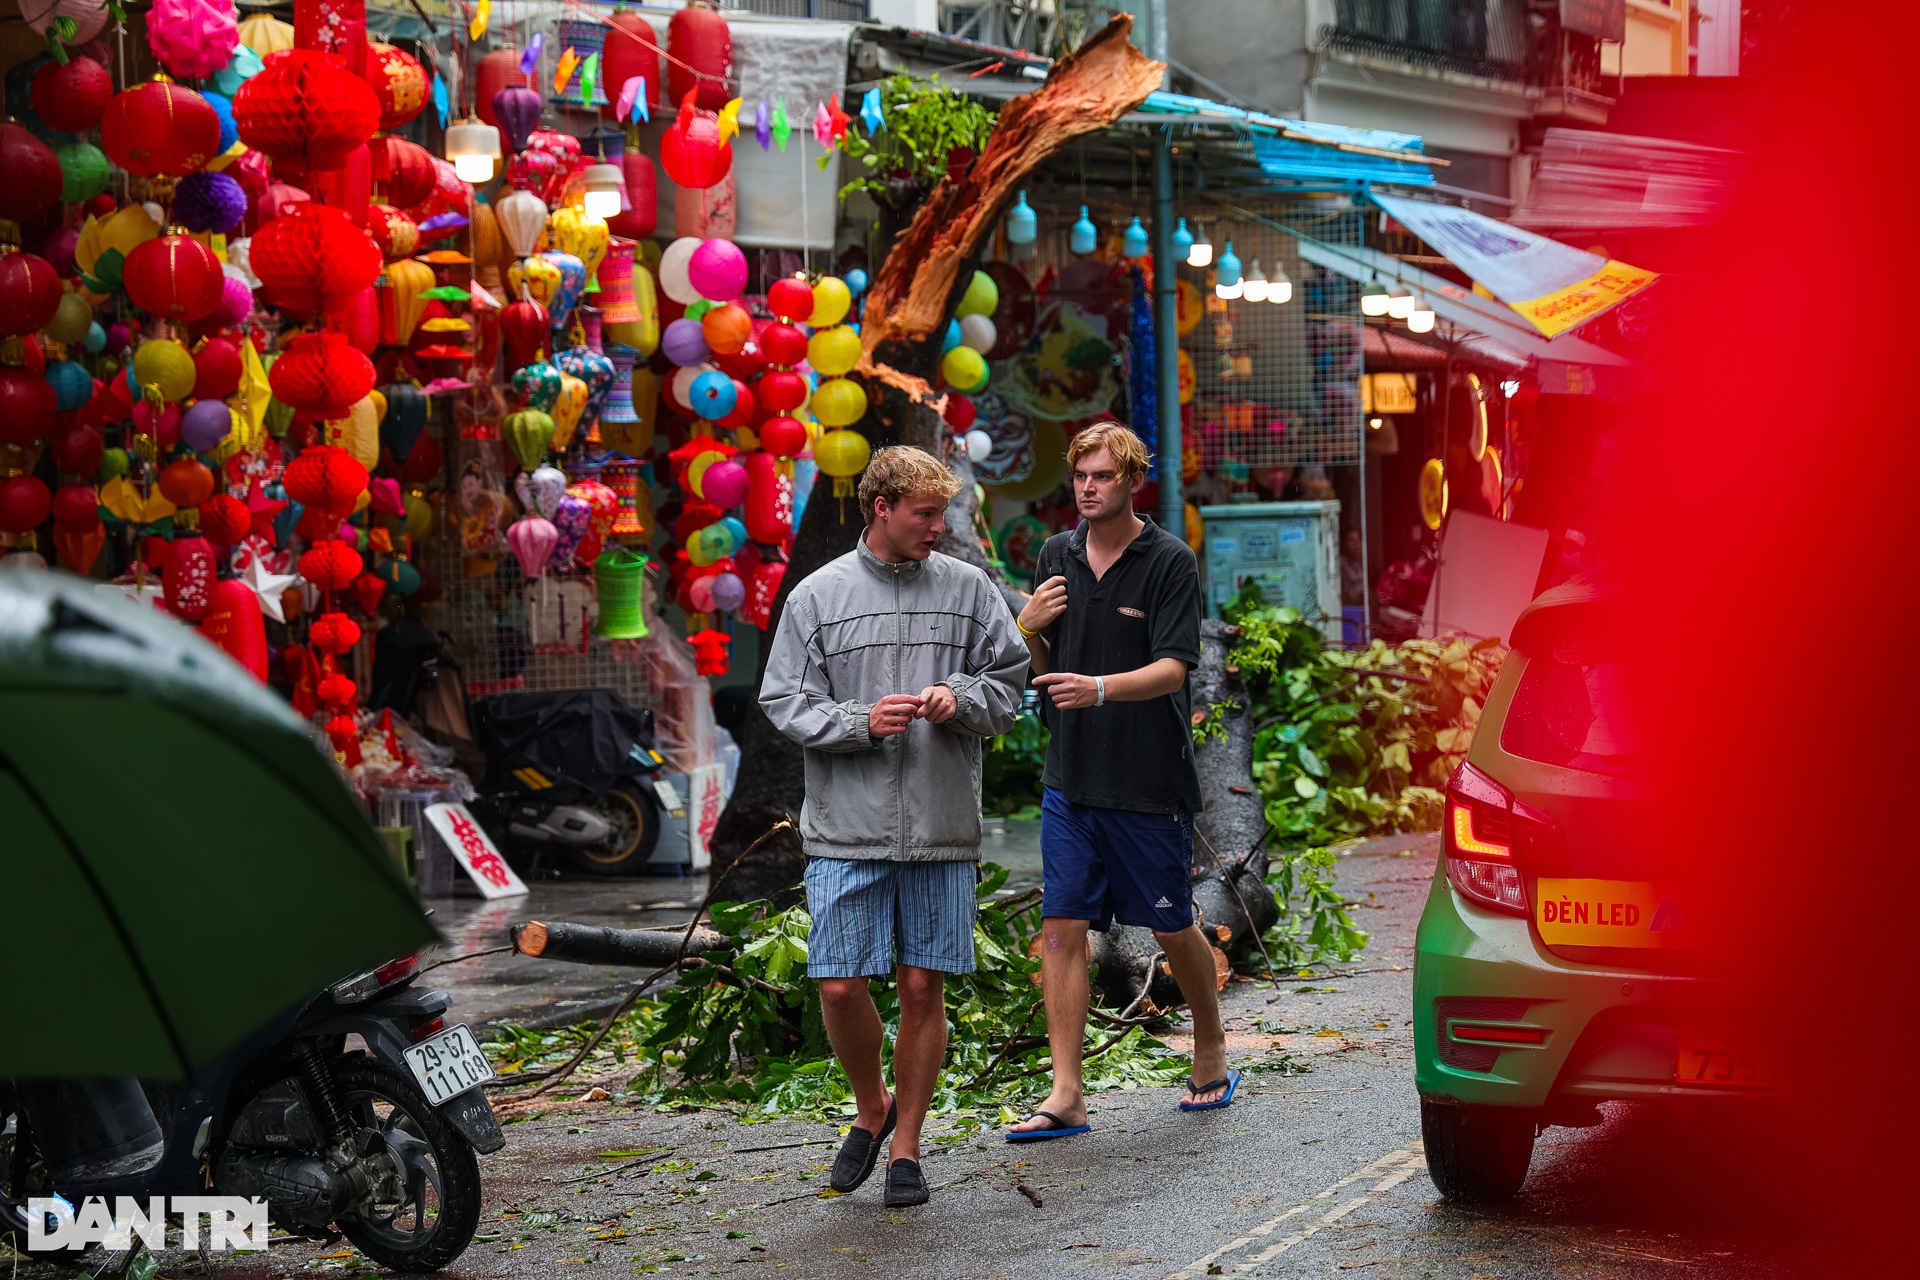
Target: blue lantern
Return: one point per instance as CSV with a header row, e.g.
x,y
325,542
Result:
x,y
96,339
72,384
1134,242
1085,235
1023,225
856,281
1182,241
1227,271
952,339
712,394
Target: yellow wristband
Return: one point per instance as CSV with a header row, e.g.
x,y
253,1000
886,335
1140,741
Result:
x,y
1021,627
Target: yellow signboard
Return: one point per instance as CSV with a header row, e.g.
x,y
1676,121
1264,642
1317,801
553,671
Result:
x,y
1582,300
1613,913
1389,393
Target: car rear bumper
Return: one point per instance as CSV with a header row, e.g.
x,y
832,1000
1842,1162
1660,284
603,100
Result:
x,y
1604,1033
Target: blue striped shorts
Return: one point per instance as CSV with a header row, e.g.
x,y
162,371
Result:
x,y
870,914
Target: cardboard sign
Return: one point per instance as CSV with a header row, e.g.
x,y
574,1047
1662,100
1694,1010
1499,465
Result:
x,y
474,851
706,797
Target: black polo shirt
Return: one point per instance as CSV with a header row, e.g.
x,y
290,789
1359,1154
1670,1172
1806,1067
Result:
x,y
1124,755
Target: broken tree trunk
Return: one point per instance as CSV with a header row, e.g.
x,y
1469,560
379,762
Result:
x,y
596,944
912,296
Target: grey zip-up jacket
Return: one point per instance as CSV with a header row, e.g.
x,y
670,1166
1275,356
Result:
x,y
857,630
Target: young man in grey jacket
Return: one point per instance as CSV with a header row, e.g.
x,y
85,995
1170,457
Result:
x,y
890,665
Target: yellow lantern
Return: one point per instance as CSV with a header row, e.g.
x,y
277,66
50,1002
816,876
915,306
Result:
x,y
831,302
572,231
419,516
834,351
164,367
408,279
839,402
534,278
642,335
843,455
358,433
963,368
567,410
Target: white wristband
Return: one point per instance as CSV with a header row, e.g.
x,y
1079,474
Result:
x,y
1099,691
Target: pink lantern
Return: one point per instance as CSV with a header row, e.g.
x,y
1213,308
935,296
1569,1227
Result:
x,y
724,484
532,539
718,270
192,38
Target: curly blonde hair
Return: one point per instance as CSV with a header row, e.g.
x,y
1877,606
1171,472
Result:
x,y
1129,450
901,469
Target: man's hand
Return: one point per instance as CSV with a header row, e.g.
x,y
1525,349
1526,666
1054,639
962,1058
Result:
x,y
937,704
892,714
1048,602
1069,692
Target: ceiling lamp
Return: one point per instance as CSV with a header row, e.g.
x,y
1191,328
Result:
x,y
1280,288
1084,236
1200,252
1226,277
1023,224
1254,287
1420,319
1182,241
606,186
474,149
1399,301
1133,243
1373,299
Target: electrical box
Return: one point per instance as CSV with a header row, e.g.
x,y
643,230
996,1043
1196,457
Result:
x,y
1291,549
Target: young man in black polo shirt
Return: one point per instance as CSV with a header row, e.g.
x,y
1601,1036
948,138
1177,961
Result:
x,y
1113,629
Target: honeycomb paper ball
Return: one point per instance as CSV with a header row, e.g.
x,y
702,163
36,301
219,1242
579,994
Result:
x,y
306,110
209,202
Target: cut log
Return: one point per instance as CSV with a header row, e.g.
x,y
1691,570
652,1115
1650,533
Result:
x,y
596,944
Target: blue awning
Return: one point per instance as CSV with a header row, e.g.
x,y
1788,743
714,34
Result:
x,y
1306,149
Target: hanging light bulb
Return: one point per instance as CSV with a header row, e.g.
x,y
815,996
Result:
x,y
1254,287
1085,236
1200,252
1420,319
1400,301
1226,274
1373,298
606,186
1023,224
1182,241
474,149
1133,243
1280,288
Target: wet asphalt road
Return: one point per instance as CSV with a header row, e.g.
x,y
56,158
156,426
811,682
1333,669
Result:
x,y
1314,1171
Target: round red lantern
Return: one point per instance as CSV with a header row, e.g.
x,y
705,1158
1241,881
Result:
x,y
402,171
399,83
77,449
174,276
783,437
76,508
217,369
322,374
791,301
631,50
186,483
330,565
160,129
71,99
960,412
638,221
325,477
783,344
32,172
691,151
781,390
29,292
701,45
333,633
24,504
525,326
338,692
397,235
192,568
225,519
496,71
306,110
314,259
28,406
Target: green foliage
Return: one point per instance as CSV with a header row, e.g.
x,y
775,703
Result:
x,y
1314,926
1011,768
925,123
1355,742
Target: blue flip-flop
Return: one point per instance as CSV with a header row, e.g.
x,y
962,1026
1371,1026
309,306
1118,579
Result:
x,y
1058,1129
1231,1080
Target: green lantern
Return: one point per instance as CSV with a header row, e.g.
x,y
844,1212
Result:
x,y
529,432
83,171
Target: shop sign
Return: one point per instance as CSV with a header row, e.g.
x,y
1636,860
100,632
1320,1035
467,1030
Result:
x,y
474,851
1389,393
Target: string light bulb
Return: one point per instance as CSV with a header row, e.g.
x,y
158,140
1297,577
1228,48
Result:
x,y
1400,302
606,186
474,149
1200,252
1254,287
1421,318
1373,299
1280,288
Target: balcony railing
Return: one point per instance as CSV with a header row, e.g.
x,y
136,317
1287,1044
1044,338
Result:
x,y
1484,38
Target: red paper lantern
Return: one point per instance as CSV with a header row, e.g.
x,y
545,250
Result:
x,y
701,44
225,519
78,551
322,374
402,171
525,326
217,369
314,259
334,632
159,129
397,235
783,437
781,390
192,568
71,99
24,504
691,151
76,508
28,406
174,276
186,483
29,292
77,449
399,83
781,343
638,221
325,477
368,589
234,623
769,505
791,301
338,692
495,71
331,565
33,180
306,110
631,50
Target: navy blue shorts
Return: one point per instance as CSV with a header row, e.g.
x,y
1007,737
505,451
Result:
x,y
1102,865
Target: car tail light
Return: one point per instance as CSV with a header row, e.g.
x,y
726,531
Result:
x,y
1498,1035
367,984
1479,824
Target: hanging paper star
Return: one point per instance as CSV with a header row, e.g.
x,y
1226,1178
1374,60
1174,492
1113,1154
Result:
x,y
730,120
261,511
589,78
564,72
822,126
782,127
870,111
269,586
632,104
440,99
763,125
530,60
837,119
481,13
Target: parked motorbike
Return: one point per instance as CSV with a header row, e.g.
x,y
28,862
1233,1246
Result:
x,y
573,772
376,1143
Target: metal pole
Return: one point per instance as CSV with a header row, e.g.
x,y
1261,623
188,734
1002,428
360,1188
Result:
x,y
1166,340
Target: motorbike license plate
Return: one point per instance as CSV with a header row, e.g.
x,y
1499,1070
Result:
x,y
1717,1056
448,1064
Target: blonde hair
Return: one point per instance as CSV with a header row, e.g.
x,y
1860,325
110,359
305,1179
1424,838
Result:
x,y
901,469
1129,450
